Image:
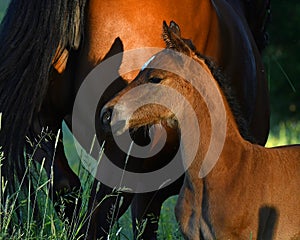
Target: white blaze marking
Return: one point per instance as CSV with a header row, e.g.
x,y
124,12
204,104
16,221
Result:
x,y
147,63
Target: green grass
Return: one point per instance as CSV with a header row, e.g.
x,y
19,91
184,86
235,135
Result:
x,y
285,133
52,227
168,227
48,225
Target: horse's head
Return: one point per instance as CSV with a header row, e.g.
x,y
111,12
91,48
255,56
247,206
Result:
x,y
143,102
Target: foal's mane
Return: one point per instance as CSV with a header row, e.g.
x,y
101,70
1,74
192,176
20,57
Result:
x,y
230,95
172,37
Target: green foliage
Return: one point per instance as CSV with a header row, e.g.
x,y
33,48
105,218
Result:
x,y
284,133
282,60
168,228
3,6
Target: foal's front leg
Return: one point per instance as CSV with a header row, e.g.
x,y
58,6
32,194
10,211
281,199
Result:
x,y
188,211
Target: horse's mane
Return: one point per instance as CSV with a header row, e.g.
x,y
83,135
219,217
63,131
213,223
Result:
x,y
30,35
230,96
258,15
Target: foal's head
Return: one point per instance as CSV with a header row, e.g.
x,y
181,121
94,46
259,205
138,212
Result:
x,y
167,75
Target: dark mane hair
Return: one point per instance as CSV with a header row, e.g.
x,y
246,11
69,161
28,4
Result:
x,y
30,35
171,36
258,14
230,96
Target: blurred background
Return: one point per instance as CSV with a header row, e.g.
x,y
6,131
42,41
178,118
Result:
x,y
282,63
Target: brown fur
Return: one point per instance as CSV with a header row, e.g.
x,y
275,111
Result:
x,y
251,191
214,26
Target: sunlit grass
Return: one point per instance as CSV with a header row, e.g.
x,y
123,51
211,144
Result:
x,y
285,133
48,223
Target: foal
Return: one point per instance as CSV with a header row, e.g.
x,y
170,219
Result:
x,y
241,190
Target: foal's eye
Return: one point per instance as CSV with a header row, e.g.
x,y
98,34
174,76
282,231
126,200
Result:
x,y
155,80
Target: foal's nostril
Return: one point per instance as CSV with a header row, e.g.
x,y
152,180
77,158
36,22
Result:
x,y
106,115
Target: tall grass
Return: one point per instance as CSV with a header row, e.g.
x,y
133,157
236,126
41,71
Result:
x,y
48,224
51,226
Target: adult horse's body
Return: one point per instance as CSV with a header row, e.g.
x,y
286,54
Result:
x,y
251,191
40,72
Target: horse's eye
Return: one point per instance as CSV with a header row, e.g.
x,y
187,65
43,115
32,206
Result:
x,y
155,80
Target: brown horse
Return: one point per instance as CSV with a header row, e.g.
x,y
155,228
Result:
x,y
220,30
251,189
48,47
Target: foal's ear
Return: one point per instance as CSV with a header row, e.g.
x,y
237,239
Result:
x,y
172,37
174,28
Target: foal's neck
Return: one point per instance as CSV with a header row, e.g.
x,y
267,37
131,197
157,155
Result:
x,y
208,111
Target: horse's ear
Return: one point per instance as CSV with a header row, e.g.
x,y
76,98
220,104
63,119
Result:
x,y
171,35
116,48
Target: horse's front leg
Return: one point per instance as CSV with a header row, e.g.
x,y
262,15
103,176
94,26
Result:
x,y
64,184
106,206
66,188
146,209
145,212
